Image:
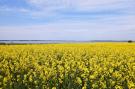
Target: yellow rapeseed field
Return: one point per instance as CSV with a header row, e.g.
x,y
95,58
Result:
x,y
68,66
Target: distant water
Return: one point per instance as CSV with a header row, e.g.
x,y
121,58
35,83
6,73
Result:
x,y
37,41
51,41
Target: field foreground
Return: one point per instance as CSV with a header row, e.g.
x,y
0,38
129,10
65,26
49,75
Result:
x,y
68,66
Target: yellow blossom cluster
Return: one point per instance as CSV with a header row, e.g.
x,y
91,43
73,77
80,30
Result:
x,y
68,66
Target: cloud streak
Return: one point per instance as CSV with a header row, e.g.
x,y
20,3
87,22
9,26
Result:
x,y
70,20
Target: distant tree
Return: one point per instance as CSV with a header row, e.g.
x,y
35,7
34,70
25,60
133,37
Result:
x,y
130,41
2,43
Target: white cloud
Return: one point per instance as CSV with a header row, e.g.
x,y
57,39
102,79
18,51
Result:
x,y
74,3
52,7
111,26
9,9
77,4
118,28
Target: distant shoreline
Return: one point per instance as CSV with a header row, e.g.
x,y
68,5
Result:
x,y
53,41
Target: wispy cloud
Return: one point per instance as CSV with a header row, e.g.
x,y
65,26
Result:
x,y
119,12
76,4
46,6
9,9
72,30
70,19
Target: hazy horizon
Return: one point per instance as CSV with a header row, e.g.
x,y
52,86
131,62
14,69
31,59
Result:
x,y
67,20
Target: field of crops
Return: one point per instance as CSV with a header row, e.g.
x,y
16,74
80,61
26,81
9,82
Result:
x,y
68,66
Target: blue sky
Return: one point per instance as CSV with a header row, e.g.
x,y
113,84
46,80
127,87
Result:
x,y
67,19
